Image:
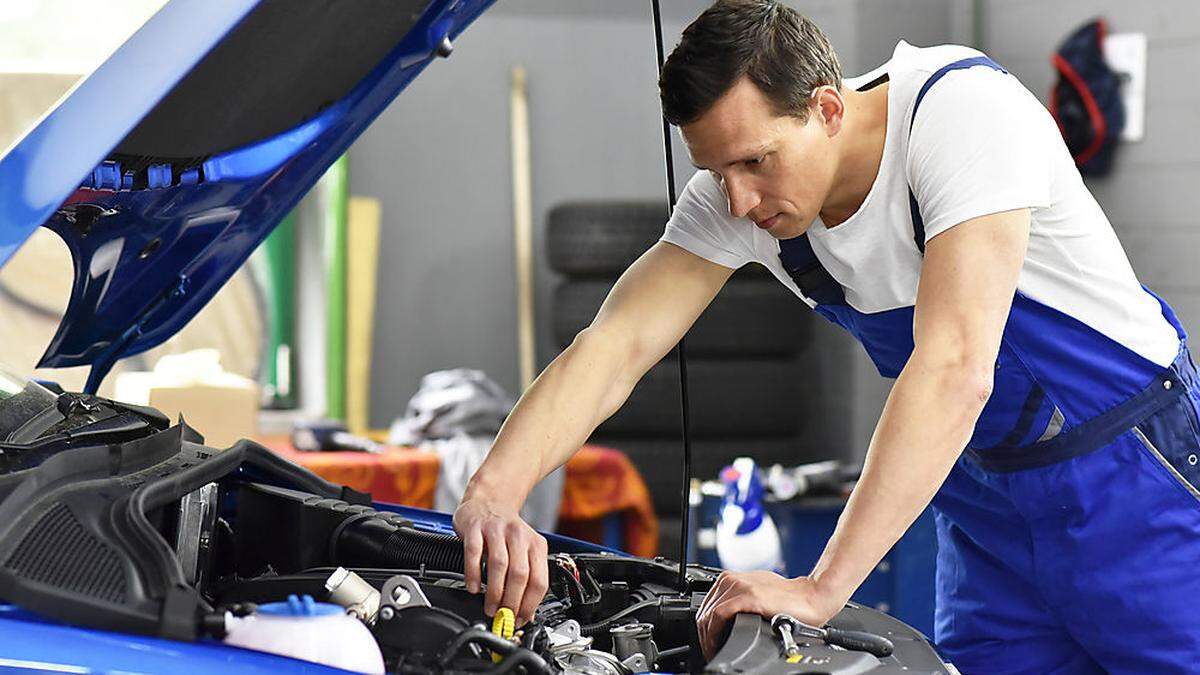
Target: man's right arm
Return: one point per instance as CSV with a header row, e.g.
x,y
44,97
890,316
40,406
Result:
x,y
649,309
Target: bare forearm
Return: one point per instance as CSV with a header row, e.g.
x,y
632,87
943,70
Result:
x,y
926,423
581,388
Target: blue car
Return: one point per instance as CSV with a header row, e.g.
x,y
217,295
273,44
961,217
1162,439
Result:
x,y
127,545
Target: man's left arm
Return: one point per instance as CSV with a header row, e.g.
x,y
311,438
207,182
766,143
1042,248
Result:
x,y
968,280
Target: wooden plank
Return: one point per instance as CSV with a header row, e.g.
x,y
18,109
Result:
x,y
522,225
363,222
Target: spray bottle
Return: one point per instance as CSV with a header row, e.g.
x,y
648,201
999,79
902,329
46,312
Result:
x,y
746,535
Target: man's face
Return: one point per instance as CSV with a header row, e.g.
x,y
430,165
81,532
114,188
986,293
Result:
x,y
776,170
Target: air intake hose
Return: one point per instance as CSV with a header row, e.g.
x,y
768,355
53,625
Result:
x,y
374,542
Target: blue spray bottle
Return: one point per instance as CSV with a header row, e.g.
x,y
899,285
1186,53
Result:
x,y
746,535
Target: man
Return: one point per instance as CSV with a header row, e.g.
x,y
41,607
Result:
x,y
931,208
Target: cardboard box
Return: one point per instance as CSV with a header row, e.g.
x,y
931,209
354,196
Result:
x,y
222,406
222,414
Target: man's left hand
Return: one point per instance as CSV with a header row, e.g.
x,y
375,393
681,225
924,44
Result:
x,y
766,594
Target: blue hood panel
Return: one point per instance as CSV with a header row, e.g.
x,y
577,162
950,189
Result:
x,y
153,239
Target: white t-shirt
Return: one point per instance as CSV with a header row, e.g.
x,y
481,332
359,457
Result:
x,y
981,144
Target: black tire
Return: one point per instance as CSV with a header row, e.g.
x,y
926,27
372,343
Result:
x,y
727,397
748,318
602,238
660,461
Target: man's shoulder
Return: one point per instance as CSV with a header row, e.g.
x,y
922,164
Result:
x,y
961,94
916,61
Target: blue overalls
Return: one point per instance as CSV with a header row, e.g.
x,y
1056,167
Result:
x,y
1069,529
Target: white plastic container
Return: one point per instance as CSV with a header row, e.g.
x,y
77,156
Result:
x,y
312,631
747,538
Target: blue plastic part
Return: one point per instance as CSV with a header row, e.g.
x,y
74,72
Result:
x,y
121,304
29,643
158,176
303,605
107,176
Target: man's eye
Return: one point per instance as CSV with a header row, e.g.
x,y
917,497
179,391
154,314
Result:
x,y
756,161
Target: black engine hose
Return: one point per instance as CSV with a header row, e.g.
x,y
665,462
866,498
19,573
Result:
x,y
602,626
374,542
532,662
475,635
511,652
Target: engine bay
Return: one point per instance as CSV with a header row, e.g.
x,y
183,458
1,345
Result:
x,y
111,518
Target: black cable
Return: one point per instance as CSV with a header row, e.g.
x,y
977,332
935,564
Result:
x,y
677,651
666,126
685,491
593,629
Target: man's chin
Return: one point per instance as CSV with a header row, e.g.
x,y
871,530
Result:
x,y
789,229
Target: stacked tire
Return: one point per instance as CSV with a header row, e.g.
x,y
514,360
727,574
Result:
x,y
751,366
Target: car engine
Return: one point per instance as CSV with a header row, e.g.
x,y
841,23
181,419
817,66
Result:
x,y
112,518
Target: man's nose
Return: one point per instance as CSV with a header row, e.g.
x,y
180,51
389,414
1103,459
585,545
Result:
x,y
742,197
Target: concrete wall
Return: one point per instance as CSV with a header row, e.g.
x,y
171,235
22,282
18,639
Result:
x,y
1151,196
439,161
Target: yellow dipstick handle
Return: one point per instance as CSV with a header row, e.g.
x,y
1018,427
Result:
x,y
504,624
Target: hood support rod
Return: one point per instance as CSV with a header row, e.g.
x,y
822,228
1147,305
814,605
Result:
x,y
685,489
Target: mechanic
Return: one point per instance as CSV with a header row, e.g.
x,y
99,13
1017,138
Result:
x,y
932,209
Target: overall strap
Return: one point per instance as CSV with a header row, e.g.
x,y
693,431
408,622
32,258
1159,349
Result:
x,y
914,209
814,281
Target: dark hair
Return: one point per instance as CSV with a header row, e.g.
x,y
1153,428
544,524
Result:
x,y
783,53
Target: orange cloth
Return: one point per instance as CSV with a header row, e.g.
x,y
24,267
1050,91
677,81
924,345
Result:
x,y
600,482
397,476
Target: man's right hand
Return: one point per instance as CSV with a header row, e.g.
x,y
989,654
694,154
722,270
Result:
x,y
517,564
646,313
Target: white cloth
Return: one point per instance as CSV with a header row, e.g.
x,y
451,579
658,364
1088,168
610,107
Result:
x,y
981,144
462,454
456,414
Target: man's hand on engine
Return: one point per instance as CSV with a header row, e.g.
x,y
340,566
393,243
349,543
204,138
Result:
x,y
517,568
766,594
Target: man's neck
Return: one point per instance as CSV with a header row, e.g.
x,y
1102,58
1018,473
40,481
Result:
x,y
861,152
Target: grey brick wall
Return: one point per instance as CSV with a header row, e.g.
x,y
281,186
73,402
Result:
x,y
1152,196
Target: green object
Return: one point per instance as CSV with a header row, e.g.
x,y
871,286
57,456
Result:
x,y
336,189
276,273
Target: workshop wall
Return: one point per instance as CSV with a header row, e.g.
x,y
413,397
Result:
x,y
1151,196
439,161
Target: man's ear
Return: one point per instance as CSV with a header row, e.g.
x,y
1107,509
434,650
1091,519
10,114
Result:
x,y
829,108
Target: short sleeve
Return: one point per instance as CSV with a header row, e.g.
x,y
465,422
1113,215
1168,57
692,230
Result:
x,y
981,144
701,224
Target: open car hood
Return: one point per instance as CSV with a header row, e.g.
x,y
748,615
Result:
x,y
165,169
